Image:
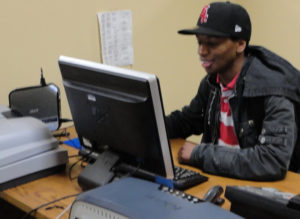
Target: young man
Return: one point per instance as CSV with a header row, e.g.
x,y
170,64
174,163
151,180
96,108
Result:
x,y
245,107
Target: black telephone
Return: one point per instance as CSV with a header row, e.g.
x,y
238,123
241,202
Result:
x,y
263,202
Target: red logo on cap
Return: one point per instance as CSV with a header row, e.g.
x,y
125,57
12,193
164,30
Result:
x,y
204,14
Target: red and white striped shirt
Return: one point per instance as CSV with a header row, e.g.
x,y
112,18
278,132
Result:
x,y
227,134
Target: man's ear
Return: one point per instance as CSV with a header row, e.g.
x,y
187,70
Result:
x,y
241,46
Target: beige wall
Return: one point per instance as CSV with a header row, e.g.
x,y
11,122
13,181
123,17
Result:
x,y
34,33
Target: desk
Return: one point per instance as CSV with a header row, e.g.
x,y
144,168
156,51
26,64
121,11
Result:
x,y
30,195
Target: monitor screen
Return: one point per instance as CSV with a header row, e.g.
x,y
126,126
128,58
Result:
x,y
119,109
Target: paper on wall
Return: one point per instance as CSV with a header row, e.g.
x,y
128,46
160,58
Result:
x,y
116,37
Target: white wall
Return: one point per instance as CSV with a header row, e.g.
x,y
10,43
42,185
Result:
x,y
34,33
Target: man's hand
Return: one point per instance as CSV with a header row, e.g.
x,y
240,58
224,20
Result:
x,y
184,153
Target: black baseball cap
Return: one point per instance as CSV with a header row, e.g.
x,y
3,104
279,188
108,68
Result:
x,y
223,19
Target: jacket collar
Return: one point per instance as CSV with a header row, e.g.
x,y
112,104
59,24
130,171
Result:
x,y
268,74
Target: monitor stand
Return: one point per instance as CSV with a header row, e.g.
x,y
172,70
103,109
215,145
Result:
x,y
98,173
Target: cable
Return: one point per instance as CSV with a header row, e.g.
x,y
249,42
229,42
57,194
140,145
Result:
x,y
71,167
62,120
63,133
131,170
42,81
134,171
49,203
84,158
64,211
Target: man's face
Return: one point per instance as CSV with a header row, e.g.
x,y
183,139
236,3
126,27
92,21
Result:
x,y
217,54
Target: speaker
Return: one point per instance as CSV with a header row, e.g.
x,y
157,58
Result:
x,y
42,102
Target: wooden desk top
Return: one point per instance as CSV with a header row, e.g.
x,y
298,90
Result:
x,y
33,194
291,183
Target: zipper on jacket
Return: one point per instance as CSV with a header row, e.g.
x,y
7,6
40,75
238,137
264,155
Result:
x,y
234,95
210,107
216,125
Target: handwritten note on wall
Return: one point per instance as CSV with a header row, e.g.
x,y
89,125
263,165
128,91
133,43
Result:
x,y
116,37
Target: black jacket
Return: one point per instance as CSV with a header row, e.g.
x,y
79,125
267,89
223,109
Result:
x,y
264,107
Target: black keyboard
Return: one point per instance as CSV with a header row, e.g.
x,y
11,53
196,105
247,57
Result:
x,y
185,178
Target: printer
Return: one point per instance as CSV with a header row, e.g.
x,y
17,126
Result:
x,y
135,198
27,150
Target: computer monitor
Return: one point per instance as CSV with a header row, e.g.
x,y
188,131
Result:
x,y
119,108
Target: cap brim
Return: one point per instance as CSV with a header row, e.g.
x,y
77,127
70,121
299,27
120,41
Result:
x,y
202,30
